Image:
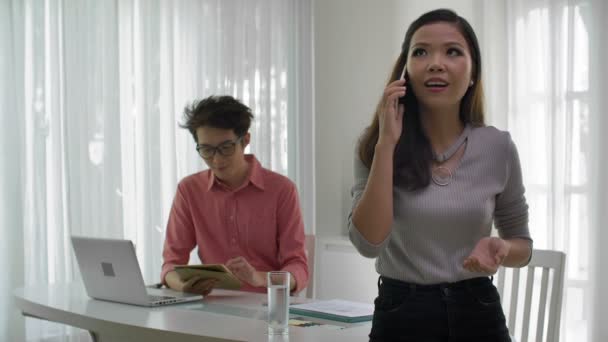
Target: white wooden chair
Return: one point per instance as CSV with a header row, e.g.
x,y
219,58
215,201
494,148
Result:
x,y
539,298
310,253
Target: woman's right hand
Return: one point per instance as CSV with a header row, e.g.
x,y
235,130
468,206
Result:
x,y
391,115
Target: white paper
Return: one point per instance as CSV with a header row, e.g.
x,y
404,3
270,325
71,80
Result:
x,y
338,307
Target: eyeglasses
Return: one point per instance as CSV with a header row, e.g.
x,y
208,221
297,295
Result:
x,y
225,149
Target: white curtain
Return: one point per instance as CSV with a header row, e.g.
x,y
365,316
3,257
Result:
x,y
11,169
92,94
546,81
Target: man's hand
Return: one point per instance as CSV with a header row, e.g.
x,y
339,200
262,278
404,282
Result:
x,y
487,256
193,285
245,272
200,286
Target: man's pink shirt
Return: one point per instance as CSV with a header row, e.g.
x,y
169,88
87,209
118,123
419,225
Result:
x,y
260,221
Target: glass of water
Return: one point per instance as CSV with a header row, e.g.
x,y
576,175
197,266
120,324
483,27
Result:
x,y
278,303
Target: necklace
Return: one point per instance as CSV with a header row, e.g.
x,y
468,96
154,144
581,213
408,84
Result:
x,y
442,175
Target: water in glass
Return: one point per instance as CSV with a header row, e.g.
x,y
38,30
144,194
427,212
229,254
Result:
x,y
278,309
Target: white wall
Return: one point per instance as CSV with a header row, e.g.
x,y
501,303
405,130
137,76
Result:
x,y
356,44
600,252
343,273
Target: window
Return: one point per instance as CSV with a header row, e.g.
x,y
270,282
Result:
x,y
549,120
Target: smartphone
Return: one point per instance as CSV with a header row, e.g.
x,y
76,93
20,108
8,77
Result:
x,y
406,77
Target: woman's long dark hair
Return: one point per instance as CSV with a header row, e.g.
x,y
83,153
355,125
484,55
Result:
x,y
413,153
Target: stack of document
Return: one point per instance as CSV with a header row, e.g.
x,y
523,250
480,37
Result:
x,y
335,310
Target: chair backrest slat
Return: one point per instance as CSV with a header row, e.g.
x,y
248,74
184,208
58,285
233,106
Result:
x,y
514,298
501,282
555,306
542,304
527,304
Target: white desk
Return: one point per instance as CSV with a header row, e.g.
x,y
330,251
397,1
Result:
x,y
221,316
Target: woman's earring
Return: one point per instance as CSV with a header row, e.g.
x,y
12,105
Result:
x,y
471,84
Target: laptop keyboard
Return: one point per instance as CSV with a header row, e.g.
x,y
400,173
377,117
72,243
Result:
x,y
159,298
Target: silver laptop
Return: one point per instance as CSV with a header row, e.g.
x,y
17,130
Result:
x,y
110,271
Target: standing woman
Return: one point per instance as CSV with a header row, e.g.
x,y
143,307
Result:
x,y
430,180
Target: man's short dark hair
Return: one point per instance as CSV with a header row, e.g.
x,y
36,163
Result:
x,y
223,112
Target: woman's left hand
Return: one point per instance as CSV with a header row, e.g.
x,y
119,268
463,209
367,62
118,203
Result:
x,y
487,256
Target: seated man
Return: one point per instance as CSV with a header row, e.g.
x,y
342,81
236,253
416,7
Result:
x,y
237,212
